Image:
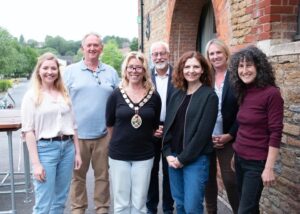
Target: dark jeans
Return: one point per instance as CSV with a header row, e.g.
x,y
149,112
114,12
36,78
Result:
x,y
250,185
224,157
153,193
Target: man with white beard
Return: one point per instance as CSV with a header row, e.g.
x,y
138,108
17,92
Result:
x,y
161,75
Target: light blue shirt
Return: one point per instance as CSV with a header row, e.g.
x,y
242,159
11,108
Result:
x,y
89,93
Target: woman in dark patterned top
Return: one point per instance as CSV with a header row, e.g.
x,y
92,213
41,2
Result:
x,y
189,124
260,119
132,114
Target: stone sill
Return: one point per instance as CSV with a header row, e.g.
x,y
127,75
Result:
x,y
270,50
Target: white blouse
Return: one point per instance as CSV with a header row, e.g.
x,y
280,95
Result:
x,y
53,117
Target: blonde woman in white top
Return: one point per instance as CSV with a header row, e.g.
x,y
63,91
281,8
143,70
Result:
x,y
50,133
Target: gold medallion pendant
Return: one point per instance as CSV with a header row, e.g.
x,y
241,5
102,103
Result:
x,y
136,121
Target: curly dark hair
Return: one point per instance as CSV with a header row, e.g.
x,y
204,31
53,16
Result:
x,y
265,73
178,79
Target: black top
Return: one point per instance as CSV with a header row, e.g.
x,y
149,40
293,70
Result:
x,y
200,119
128,143
178,126
229,108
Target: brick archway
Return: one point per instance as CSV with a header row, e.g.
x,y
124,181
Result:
x,y
183,20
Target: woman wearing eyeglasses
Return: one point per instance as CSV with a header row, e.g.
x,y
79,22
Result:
x,y
132,114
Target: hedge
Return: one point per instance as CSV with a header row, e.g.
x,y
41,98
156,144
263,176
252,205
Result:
x,y
5,84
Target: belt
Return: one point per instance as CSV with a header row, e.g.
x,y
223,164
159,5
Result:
x,y
59,138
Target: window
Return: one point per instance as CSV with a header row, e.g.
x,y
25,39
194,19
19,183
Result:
x,y
207,26
297,36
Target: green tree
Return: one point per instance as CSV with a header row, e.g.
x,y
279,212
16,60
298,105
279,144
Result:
x,y
41,51
32,43
121,42
78,56
17,59
112,55
62,46
27,60
21,40
134,44
6,53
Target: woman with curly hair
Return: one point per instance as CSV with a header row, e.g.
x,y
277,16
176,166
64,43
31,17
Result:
x,y
260,119
187,142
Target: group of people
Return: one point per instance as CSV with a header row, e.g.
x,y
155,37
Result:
x,y
202,112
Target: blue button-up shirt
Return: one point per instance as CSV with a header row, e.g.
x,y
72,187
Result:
x,y
89,92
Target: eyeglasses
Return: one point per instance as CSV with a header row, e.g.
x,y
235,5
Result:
x,y
156,54
97,78
132,68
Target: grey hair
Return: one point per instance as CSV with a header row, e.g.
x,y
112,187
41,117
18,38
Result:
x,y
155,44
91,34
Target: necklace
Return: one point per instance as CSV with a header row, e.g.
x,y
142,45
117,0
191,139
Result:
x,y
136,120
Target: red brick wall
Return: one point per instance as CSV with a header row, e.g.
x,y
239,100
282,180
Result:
x,y
270,24
257,20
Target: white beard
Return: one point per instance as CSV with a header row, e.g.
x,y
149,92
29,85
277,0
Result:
x,y
161,65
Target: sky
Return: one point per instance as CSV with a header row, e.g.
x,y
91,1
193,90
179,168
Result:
x,y
70,19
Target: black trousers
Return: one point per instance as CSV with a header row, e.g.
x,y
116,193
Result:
x,y
224,157
153,193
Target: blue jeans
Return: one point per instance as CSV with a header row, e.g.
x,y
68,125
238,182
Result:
x,y
249,184
188,185
57,158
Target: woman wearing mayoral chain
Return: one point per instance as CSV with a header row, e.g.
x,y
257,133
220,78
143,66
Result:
x,y
132,114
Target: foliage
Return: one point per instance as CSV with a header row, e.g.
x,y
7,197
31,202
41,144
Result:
x,y
18,57
26,61
41,51
62,46
32,43
134,44
112,55
16,60
121,42
5,84
78,56
6,53
21,40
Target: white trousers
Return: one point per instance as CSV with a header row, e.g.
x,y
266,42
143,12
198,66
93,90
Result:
x,y
130,182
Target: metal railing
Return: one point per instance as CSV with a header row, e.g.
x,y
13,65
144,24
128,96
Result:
x,y
7,101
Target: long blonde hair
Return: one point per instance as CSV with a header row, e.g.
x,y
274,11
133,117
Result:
x,y
36,80
147,82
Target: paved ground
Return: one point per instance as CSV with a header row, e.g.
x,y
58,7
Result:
x,y
26,207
